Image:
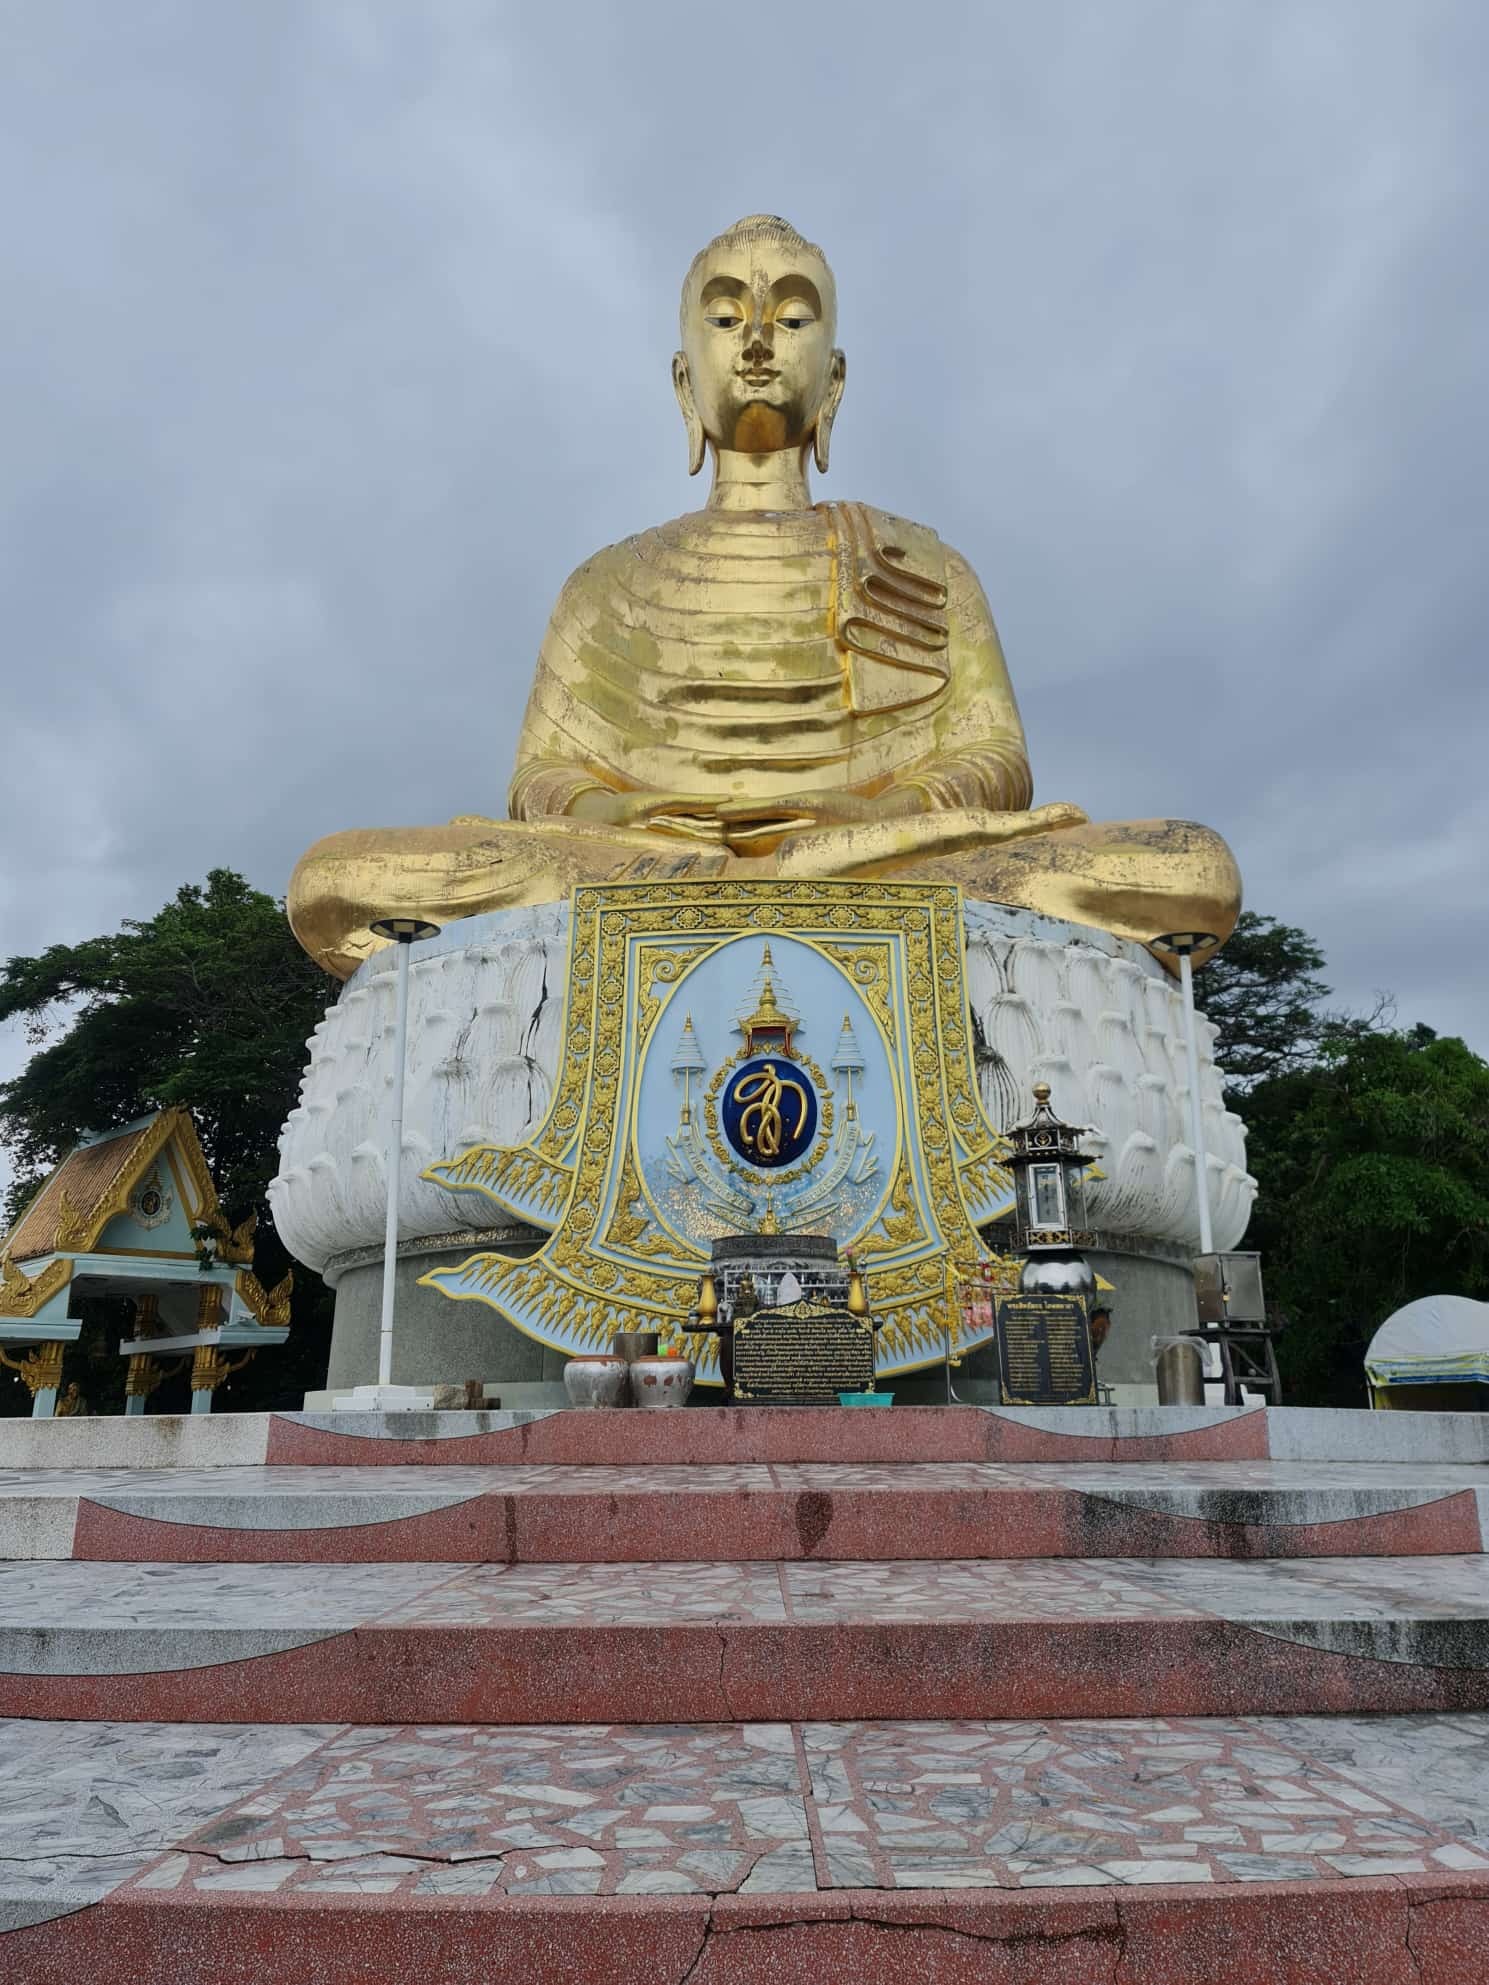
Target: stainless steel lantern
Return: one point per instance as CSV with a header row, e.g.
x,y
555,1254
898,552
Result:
x,y
1049,1173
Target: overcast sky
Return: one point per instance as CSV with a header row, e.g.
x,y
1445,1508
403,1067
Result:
x,y
337,332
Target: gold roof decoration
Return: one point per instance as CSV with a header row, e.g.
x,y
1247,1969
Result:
x,y
22,1295
234,1244
95,1180
270,1307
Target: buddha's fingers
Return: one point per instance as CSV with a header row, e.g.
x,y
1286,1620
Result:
x,y
880,846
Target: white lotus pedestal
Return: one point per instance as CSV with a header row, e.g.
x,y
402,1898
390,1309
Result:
x,y
1096,1018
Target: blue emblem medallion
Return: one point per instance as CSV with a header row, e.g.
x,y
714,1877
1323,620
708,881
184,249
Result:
x,y
769,1111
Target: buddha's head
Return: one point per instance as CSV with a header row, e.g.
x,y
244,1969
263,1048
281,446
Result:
x,y
758,370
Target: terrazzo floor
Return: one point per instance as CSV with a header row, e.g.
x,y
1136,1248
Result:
x,y
553,1478
773,1808
332,1597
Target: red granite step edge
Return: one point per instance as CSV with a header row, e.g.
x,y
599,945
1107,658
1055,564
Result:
x,y
752,1672
1371,1931
754,1526
761,1434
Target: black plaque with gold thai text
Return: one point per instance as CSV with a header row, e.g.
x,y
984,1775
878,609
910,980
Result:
x,y
1044,1352
802,1354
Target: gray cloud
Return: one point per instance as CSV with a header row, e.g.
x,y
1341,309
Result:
x,y
337,334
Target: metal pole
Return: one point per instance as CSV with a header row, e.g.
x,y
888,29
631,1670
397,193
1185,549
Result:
x,y
394,1166
1196,1108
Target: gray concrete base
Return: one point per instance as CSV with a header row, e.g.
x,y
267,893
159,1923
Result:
x,y
1151,1298
440,1342
435,1341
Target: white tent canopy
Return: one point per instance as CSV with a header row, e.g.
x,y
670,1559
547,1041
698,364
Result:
x,y
1435,1340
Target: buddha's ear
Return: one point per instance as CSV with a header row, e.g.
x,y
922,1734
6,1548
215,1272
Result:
x,y
682,385
837,378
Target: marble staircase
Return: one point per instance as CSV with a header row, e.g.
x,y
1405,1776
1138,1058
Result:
x,y
945,1694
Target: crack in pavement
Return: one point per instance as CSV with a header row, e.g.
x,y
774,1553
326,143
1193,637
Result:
x,y
1096,1935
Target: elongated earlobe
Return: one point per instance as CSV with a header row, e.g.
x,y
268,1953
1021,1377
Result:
x,y
682,385
837,377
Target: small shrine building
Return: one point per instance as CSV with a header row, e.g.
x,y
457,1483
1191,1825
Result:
x,y
134,1212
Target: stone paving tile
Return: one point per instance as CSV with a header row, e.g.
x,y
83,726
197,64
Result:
x,y
583,1810
716,1808
1321,1588
1434,1766
329,1597
936,1477
434,1483
165,1595
920,1590
598,1595
1440,1477
85,1805
1039,1804
548,1478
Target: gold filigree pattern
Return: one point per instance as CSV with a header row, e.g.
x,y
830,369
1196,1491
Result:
x,y
521,1181
868,966
583,1284
664,968
636,1232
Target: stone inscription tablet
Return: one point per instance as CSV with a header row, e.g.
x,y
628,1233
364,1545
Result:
x,y
1044,1352
802,1354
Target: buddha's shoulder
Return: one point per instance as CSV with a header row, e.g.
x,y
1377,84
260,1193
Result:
x,y
691,544
717,533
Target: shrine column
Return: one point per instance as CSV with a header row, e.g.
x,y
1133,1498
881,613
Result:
x,y
208,1366
143,1374
41,1373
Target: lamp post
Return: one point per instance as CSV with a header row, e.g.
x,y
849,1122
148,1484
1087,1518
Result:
x,y
1183,945
402,932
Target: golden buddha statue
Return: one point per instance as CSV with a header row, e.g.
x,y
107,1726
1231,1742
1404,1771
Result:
x,y
768,686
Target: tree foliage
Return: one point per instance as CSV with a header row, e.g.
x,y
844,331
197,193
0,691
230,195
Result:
x,y
207,1004
1264,994
1373,1170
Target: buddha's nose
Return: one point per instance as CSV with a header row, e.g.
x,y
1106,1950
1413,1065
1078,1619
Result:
x,y
759,345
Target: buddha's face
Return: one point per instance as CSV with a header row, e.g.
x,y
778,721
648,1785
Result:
x,y
758,324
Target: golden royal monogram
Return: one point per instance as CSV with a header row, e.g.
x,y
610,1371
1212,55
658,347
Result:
x,y
762,1125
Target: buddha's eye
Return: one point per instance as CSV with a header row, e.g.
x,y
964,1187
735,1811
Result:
x,y
795,317
724,320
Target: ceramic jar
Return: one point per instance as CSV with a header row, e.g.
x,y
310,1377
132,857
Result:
x,y
593,1382
661,1381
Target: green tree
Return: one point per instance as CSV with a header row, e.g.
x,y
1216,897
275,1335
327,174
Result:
x,y
208,1004
1373,1169
1264,994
